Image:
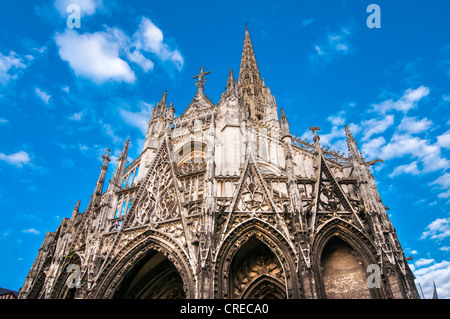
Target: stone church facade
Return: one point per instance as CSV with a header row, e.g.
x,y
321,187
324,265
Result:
x,y
224,202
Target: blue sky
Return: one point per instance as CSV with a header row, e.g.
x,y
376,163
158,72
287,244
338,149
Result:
x,y
66,95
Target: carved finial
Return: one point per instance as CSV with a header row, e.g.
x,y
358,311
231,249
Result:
x,y
125,150
283,115
106,157
230,77
76,209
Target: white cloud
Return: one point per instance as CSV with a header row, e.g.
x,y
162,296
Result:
x,y
337,119
18,159
406,169
108,130
444,182
332,44
31,231
423,262
404,144
444,140
3,121
76,116
376,126
151,39
105,56
94,56
438,229
439,273
87,7
318,50
45,97
138,58
408,101
128,48
138,119
413,126
372,148
335,133
9,66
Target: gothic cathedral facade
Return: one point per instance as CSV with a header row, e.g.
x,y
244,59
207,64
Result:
x,y
224,202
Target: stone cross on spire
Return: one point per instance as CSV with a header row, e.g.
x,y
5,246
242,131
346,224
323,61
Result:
x,y
316,137
201,79
315,129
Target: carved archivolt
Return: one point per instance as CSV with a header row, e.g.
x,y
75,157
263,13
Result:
x,y
254,268
276,243
146,243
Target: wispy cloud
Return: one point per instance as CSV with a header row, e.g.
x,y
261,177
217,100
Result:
x,y
306,22
376,126
44,96
444,140
438,229
408,101
138,119
406,169
427,153
17,159
76,116
31,231
150,38
414,126
10,65
444,184
332,45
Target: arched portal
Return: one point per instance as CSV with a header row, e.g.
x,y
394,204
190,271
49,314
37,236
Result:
x,y
343,272
67,284
153,277
256,273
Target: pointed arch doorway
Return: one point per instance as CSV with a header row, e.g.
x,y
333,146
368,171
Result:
x,y
256,273
343,271
154,277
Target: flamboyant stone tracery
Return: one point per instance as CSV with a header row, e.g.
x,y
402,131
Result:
x,y
224,202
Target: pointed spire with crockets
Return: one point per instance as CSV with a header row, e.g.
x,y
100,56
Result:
x,y
161,107
250,85
352,146
95,199
284,124
76,209
120,168
249,77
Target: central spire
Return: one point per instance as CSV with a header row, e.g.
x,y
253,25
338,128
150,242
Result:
x,y
249,72
250,84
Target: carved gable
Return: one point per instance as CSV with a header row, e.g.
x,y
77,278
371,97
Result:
x,y
159,200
